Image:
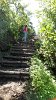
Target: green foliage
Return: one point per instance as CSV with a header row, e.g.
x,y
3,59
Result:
x,y
49,42
11,21
4,23
48,32
43,84
38,44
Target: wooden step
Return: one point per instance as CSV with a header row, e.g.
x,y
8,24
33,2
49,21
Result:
x,y
14,69
23,44
22,50
9,57
24,47
14,74
6,63
20,53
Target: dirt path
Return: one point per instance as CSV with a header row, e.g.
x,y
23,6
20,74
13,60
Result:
x,y
12,91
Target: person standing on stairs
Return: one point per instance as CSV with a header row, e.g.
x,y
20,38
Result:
x,y
25,31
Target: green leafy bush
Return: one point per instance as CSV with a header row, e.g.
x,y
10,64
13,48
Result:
x,y
49,42
47,31
44,86
38,44
11,21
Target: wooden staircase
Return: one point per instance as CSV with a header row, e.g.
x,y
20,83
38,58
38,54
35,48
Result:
x,y
15,65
